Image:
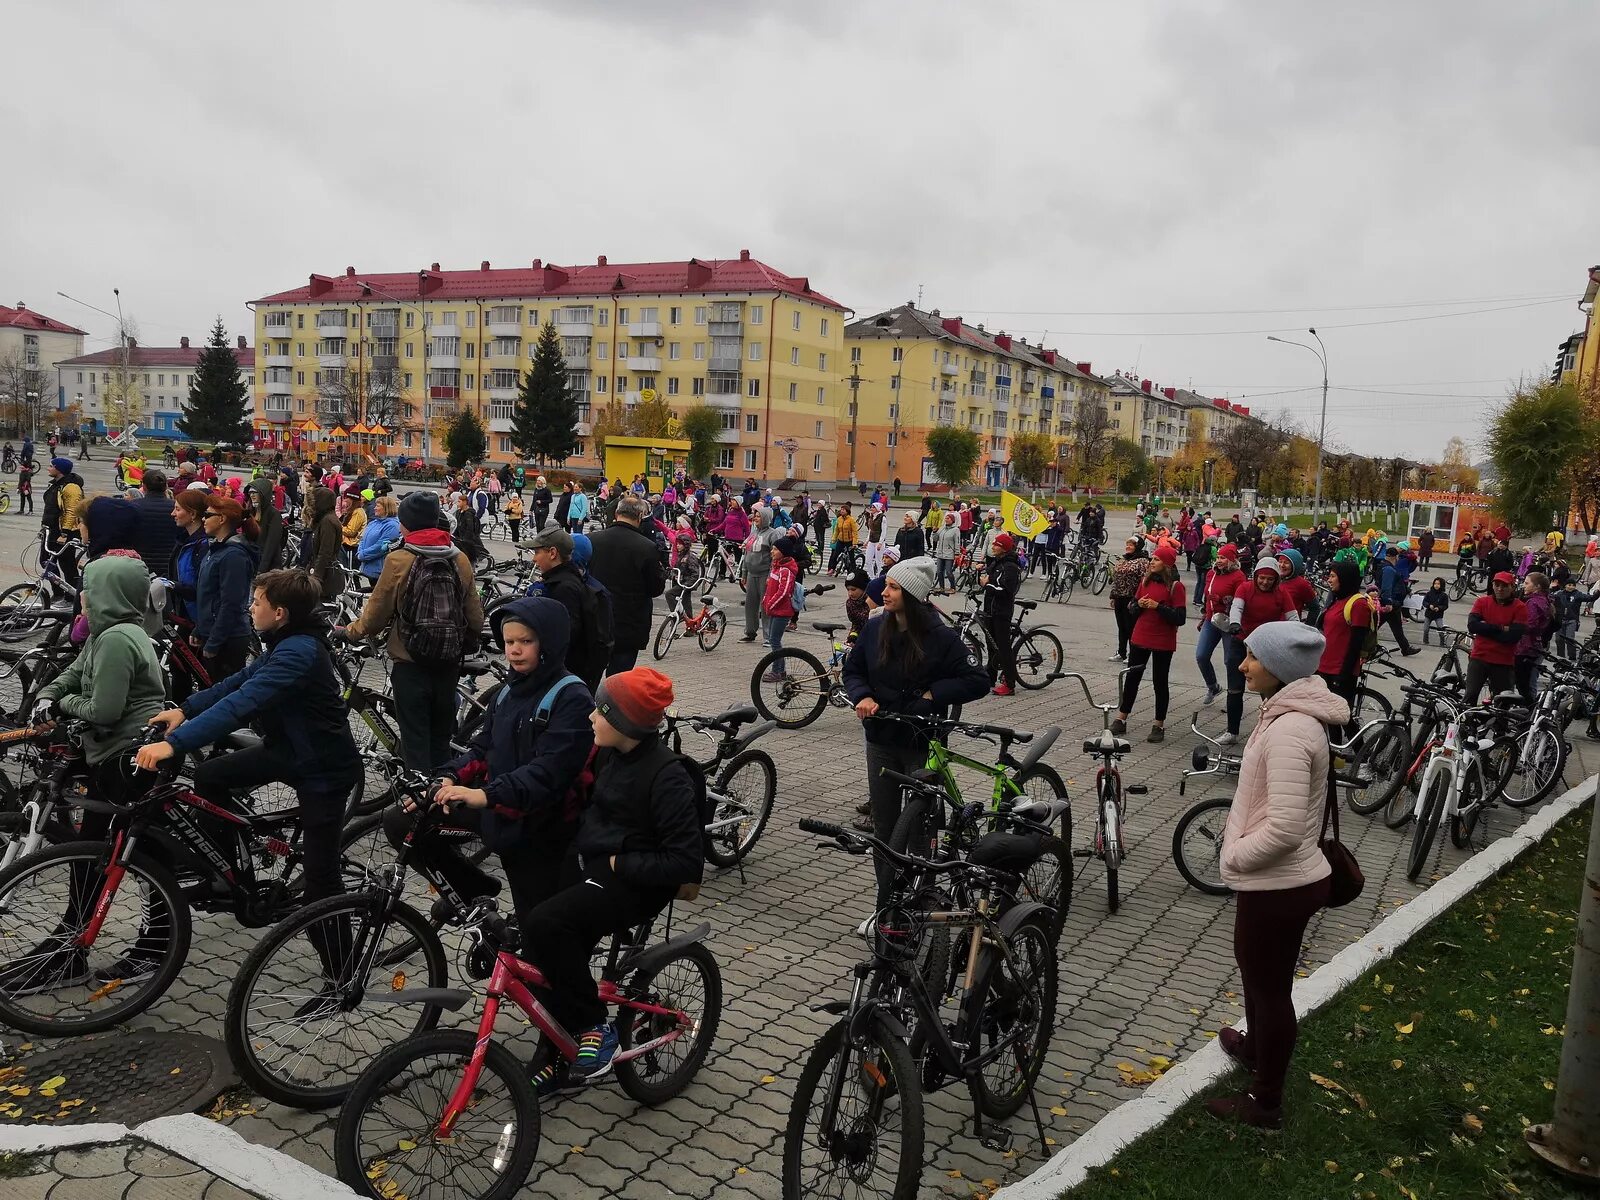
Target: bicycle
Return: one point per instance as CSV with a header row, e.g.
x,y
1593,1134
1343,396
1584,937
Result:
x,y
26,607
708,625
476,1131
1036,651
800,686
742,783
1454,785
1110,840
858,1107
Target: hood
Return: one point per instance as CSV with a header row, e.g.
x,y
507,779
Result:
x,y
1297,562
113,525
321,502
236,542
763,518
582,550
549,621
1310,696
117,590
261,489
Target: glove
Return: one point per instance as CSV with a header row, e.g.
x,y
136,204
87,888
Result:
x,y
44,710
1234,629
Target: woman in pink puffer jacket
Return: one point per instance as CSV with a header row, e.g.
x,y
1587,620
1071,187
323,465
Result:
x,y
1272,856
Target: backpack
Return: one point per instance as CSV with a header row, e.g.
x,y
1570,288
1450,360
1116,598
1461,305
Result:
x,y
604,623
1369,642
432,612
703,802
503,829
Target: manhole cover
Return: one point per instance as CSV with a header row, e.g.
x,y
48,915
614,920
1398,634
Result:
x,y
127,1079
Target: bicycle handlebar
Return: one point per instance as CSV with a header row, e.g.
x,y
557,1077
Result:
x,y
859,843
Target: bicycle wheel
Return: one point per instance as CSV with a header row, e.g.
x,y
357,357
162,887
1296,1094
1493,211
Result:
x,y
1012,1010
711,632
688,982
665,636
387,1141
1460,587
1038,657
297,1031
22,608
1369,706
855,1124
5,502
744,791
1041,782
1102,577
51,986
1465,818
1402,805
1197,845
1427,826
796,695
1381,758
1113,847
1533,766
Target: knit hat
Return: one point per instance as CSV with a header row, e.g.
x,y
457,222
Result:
x,y
633,702
419,510
788,546
1289,649
1004,543
856,579
1165,553
1267,566
64,465
1297,562
915,576
1228,550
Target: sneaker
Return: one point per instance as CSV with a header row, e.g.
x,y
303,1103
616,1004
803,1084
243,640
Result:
x,y
1002,689
1410,652
773,677
1157,734
44,970
550,1079
864,824
864,930
1228,739
1117,658
865,808
132,966
750,638
1119,726
596,1048
1211,695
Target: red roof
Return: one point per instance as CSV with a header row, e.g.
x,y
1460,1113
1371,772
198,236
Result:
x,y
694,276
23,317
151,357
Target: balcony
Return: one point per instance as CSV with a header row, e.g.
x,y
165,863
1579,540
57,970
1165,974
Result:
x,y
449,361
949,368
725,363
1002,381
576,362
279,385
440,329
385,354
500,416
1025,405
728,436
279,416
503,348
947,391
434,411
279,360
331,324
574,327
947,414
641,363
280,331
649,329
333,359
734,328
1048,392
1030,380
507,395
1002,401
504,328
729,398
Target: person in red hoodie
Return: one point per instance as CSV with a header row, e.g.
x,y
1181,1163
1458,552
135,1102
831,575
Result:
x,y
1497,622
1297,586
777,601
1215,603
1160,604
1256,601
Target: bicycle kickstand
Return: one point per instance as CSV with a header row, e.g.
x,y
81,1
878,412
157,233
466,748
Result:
x,y
1038,1122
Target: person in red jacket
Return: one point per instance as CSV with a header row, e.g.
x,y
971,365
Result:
x,y
1256,601
1497,622
777,601
1297,586
1215,602
1160,605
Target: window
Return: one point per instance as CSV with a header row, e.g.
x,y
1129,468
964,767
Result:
x,y
849,437
80,376
469,383
855,354
822,362
894,383
758,314
147,379
161,381
1116,406
824,326
699,351
730,421
672,386
300,320
600,383
816,462
505,445
674,351
409,348
797,318
725,459
300,378
749,460
794,356
755,387
472,318
821,395
894,438
897,354
752,422
411,319
472,350
794,392
622,350
818,431
675,315
700,319
622,383
622,316
647,383
188,381
407,378
755,355
698,385
603,317
602,350
533,316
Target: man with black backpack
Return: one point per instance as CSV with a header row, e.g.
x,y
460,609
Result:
x,y
629,561
588,649
426,599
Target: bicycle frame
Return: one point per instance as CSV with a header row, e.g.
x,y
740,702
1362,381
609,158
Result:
x,y
1458,756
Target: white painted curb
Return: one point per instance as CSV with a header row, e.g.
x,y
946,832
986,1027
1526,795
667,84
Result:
x,y
1135,1118
45,1139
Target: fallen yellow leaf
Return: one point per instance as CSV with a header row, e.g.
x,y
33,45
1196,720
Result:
x,y
1472,1123
1322,1081
1331,1167
1469,1086
53,1082
407,1144
1406,1028
769,1079
1058,1111
1397,1063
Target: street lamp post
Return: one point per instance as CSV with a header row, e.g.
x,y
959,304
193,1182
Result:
x,y
122,339
1321,352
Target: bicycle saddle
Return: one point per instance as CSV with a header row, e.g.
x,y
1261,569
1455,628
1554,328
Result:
x,y
1045,812
828,627
730,719
239,739
476,667
1510,700
1027,605
1107,741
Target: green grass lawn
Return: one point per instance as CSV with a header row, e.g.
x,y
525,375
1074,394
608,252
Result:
x,y
1418,1081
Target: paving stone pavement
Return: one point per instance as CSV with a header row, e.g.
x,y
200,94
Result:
x,y
126,1170
1156,978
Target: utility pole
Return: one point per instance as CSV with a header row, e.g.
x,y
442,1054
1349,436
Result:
x,y
1321,352
1570,1142
855,416
894,410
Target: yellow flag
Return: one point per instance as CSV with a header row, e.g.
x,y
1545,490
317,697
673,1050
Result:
x,y
1019,517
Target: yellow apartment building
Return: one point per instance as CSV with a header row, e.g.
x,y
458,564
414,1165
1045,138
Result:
x,y
917,370
1587,359
379,362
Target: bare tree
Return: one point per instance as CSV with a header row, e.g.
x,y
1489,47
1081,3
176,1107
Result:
x,y
1090,439
25,394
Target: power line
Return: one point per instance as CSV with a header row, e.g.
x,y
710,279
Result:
x,y
1236,312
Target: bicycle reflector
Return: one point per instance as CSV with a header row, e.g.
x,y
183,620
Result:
x,y
898,933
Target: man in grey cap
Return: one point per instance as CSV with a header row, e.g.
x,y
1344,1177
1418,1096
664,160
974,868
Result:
x,y
560,579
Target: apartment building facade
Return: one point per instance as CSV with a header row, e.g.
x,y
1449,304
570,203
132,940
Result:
x,y
31,346
158,382
918,370
387,359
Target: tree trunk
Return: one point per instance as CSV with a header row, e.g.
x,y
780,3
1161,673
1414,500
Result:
x,y
1571,1141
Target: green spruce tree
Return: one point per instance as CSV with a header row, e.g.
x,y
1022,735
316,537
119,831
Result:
x,y
544,425
466,440
218,408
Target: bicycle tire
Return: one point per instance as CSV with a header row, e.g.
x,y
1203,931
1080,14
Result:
x,y
5,502
800,699
1041,651
243,1047
1555,747
1369,706
1465,819
1102,578
729,851
1427,826
666,634
142,872
914,830
1069,581
1113,849
1384,755
632,1024
22,607
455,1045
995,998
711,632
841,1161
1201,868
1402,804
1053,788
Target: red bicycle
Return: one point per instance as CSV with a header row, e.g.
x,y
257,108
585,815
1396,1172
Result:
x,y
709,624
453,1113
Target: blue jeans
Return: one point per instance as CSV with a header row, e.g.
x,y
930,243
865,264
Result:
x,y
776,628
1204,648
1232,656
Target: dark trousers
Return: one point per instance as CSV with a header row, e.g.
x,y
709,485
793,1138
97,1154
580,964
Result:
x,y
515,524
532,868
1160,663
1232,657
1523,672
1268,928
323,801
1002,653
1122,608
559,935
884,795
425,710
1499,678
228,660
1345,688
24,502
622,660
1395,619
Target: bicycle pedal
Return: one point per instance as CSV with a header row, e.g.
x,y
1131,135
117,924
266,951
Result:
x,y
997,1138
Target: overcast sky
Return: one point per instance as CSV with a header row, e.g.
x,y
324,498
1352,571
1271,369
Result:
x,y
1152,186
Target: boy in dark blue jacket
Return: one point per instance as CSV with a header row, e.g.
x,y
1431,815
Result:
x,y
293,694
513,784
